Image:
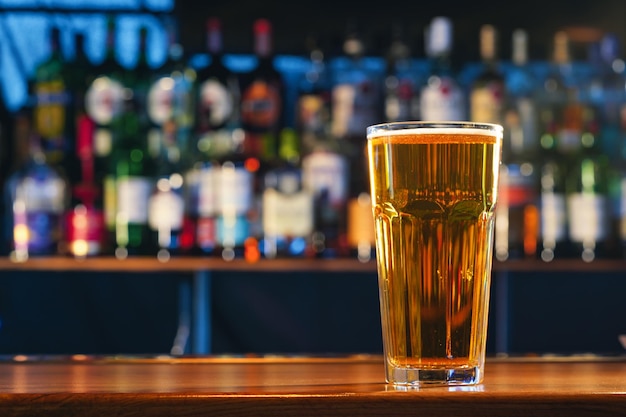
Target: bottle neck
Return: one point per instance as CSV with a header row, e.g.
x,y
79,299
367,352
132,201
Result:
x,y
520,48
263,45
214,42
488,45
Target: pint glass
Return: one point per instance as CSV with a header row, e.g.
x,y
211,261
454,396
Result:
x,y
434,188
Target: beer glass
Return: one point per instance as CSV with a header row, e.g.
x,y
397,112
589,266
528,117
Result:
x,y
434,188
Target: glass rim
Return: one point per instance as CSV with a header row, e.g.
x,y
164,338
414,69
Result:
x,y
406,125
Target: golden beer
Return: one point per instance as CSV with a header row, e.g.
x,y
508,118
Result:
x,y
434,190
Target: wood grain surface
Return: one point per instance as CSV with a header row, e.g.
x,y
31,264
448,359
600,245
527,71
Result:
x,y
300,386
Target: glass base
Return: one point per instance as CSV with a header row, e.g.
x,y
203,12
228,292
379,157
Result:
x,y
426,377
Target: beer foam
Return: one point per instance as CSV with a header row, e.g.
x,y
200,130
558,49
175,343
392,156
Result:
x,y
439,132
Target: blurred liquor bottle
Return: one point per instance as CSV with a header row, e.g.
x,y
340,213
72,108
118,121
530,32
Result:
x,y
324,166
559,126
517,218
103,103
166,205
51,102
236,209
590,178
130,179
360,228
588,205
262,118
441,96
217,136
171,112
37,198
571,120
85,217
287,209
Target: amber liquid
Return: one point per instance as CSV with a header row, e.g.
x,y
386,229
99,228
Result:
x,y
434,200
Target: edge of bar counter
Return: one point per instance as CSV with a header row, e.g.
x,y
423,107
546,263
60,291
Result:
x,y
193,264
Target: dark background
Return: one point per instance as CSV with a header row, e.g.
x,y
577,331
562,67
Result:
x,y
293,21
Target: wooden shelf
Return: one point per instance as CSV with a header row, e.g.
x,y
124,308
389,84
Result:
x,y
191,264
185,264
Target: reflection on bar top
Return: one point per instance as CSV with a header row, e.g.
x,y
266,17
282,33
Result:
x,y
280,358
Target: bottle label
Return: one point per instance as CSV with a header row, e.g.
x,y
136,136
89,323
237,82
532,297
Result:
x,y
354,108
260,105
43,231
85,233
208,188
133,194
553,217
235,191
442,99
102,141
216,104
166,211
206,233
486,104
232,230
47,195
313,112
326,171
289,215
568,140
160,100
517,188
588,221
109,188
104,99
50,110
360,222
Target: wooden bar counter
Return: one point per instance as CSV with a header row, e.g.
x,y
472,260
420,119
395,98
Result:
x,y
300,386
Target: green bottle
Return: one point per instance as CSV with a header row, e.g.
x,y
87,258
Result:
x,y
129,182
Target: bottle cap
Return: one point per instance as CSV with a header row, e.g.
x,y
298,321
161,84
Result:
x,y
262,26
520,46
262,35
561,47
439,36
488,42
214,35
